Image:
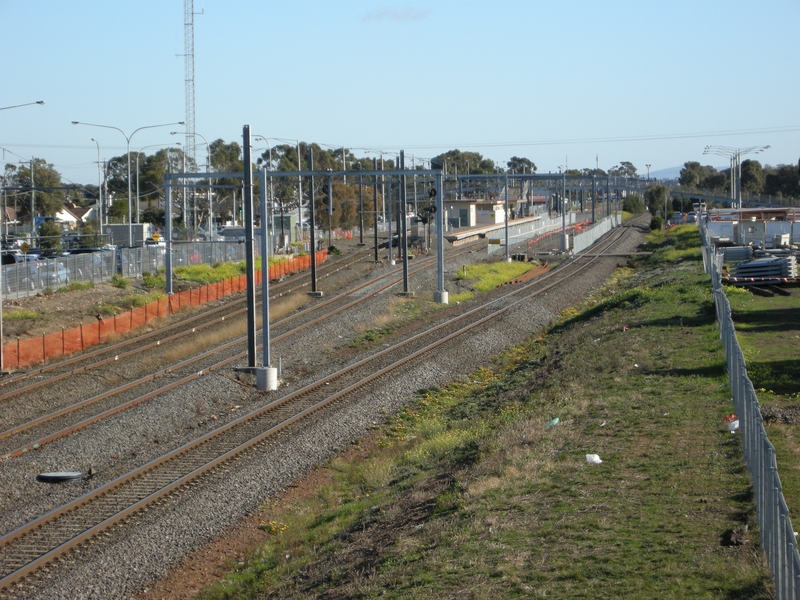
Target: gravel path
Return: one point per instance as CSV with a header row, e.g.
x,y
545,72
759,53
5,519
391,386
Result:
x,y
126,561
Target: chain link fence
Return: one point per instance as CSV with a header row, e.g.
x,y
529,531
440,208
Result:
x,y
777,535
34,274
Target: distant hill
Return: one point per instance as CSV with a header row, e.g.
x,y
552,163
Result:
x,y
670,173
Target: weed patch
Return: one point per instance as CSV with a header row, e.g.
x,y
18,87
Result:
x,y
121,282
20,314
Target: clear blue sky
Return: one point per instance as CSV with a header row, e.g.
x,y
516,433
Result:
x,y
559,82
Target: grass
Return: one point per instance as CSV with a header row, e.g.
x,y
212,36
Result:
x,y
485,277
399,311
20,314
467,491
136,300
204,274
78,285
768,331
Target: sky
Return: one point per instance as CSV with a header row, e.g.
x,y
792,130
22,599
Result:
x,y
565,83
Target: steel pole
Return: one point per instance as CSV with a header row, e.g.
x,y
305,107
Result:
x,y
404,225
564,245
313,229
505,195
168,230
265,341
375,206
441,294
360,208
247,201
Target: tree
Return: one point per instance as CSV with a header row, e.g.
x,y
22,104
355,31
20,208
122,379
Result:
x,y
49,238
227,158
521,165
694,175
119,210
782,180
623,169
752,176
633,204
690,174
474,162
656,198
715,181
46,181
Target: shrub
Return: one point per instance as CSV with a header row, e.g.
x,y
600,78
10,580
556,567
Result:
x,y
121,282
154,280
656,223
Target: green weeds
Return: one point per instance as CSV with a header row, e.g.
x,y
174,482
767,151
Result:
x,y
487,276
20,314
121,282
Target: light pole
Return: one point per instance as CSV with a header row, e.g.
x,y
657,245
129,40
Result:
x,y
735,156
26,104
128,140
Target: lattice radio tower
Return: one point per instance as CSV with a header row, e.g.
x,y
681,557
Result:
x,y
188,41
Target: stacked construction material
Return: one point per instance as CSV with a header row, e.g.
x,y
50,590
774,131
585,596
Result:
x,y
738,253
764,271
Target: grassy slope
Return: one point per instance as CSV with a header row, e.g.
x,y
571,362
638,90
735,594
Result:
x,y
469,492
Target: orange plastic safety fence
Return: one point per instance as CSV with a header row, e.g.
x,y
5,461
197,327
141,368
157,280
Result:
x,y
34,350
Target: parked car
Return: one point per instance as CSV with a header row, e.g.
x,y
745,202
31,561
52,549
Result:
x,y
46,273
12,257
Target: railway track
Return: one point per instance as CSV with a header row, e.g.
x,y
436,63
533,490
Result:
x,y
24,382
24,551
45,427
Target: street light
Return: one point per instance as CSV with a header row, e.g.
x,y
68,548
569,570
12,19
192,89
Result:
x,y
26,104
735,156
128,140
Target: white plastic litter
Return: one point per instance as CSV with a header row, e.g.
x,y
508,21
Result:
x,y
551,423
733,426
593,459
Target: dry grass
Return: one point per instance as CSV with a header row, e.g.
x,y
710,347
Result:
x,y
220,333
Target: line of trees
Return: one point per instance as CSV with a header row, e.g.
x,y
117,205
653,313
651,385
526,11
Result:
x,y
51,193
783,180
